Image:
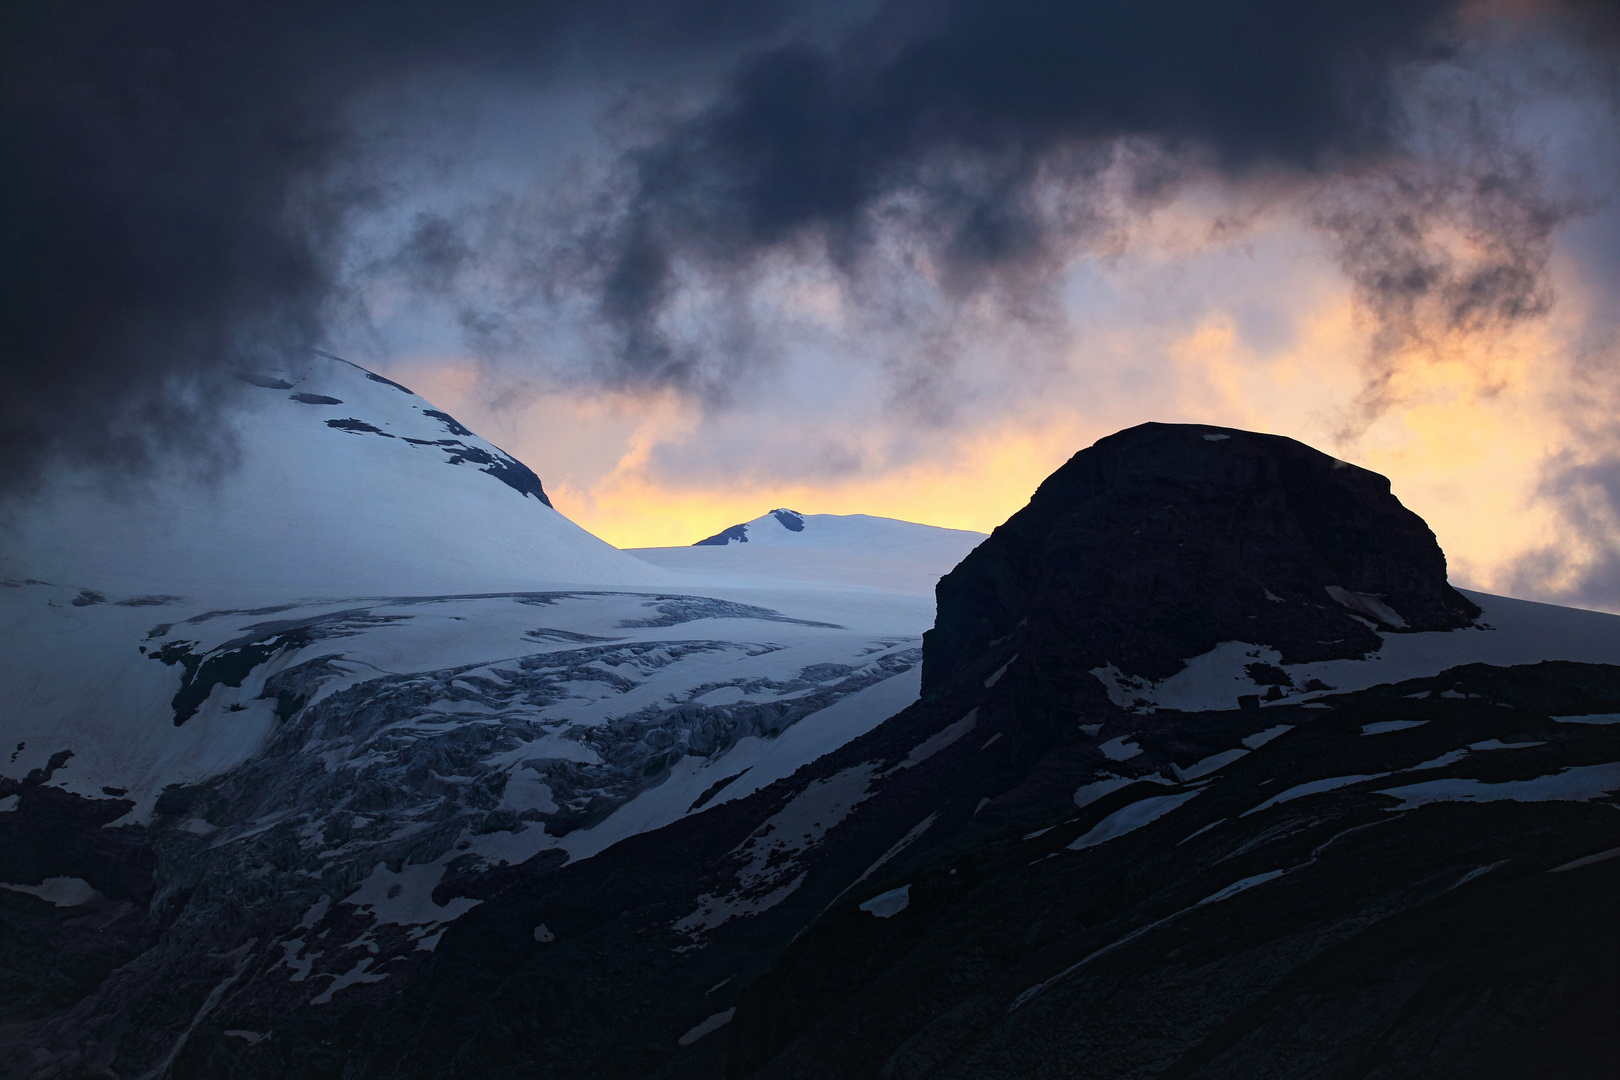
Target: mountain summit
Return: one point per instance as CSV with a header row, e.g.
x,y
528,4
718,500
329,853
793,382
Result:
x,y
848,532
791,520
1162,541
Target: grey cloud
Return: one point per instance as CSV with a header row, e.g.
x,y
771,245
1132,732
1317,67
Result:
x,y
1583,567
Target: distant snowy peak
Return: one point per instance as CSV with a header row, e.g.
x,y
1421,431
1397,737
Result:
x,y
841,531
764,527
418,425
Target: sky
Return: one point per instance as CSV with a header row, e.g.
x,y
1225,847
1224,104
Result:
x,y
697,259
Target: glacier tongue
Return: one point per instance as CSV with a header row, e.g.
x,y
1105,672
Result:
x,y
349,782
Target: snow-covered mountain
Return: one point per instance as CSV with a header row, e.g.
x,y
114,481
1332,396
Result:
x,y
826,549
342,483
1190,735
371,656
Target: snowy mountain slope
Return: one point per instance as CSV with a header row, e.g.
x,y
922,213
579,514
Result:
x,y
376,747
344,483
373,663
359,756
153,659
823,549
192,696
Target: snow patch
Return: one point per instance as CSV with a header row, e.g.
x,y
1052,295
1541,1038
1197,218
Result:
x,y
1371,605
1580,783
1119,749
360,973
1588,860
999,672
60,891
896,848
1382,726
1509,632
1086,794
941,739
527,790
1313,787
1243,885
1130,818
1205,766
713,1023
317,911
1260,738
887,905
411,903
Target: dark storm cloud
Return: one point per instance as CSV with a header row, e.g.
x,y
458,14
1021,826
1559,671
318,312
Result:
x,y
162,211
806,141
181,175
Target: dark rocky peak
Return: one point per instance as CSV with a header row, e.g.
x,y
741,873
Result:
x,y
739,533
1157,543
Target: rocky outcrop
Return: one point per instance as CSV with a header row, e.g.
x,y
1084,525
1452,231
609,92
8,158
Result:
x,y
1158,543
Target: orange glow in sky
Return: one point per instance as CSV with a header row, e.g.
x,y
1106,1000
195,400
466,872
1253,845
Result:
x,y
1464,421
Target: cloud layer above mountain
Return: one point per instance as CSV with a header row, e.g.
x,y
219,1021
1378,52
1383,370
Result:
x,y
844,248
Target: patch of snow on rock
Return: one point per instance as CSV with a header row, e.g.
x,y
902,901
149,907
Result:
x,y
1580,783
713,1023
1205,766
941,739
1130,818
887,905
60,891
1383,726
1508,632
1119,749
1086,794
1260,738
1313,787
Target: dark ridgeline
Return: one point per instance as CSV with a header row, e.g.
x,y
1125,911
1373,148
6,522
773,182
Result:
x,y
1247,931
